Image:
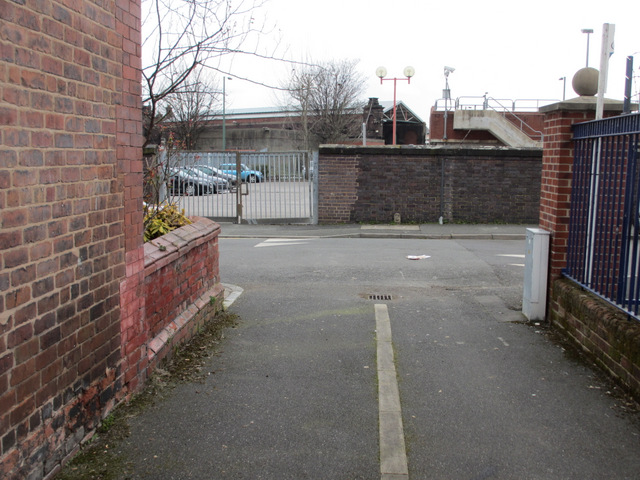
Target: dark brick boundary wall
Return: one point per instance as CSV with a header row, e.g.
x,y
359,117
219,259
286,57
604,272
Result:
x,y
600,330
478,185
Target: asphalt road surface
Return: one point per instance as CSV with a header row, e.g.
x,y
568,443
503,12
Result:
x,y
298,389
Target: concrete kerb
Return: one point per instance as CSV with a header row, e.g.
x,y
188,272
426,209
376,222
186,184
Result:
x,y
231,294
426,232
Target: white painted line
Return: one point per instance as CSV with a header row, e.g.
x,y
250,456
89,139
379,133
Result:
x,y
503,342
393,455
516,265
281,242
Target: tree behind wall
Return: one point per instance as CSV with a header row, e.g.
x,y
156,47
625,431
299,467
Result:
x,y
183,37
190,110
328,97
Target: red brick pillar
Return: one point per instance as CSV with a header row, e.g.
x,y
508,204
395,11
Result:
x,y
557,165
129,153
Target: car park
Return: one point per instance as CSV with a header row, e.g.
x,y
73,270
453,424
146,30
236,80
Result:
x,y
246,174
188,181
216,172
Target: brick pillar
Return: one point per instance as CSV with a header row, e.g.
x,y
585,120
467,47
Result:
x,y
557,166
129,153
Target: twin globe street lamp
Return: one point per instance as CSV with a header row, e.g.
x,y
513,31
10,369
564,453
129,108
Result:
x,y
381,72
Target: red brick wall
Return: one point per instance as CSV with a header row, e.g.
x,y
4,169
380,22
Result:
x,y
70,220
600,330
555,193
181,285
177,274
371,184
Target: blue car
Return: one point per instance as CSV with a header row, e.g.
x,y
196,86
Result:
x,y
246,174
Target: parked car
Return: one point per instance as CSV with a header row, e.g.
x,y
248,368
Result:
x,y
246,174
216,172
188,181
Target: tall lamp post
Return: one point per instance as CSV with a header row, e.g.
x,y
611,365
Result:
x,y
408,73
564,87
447,96
588,31
224,105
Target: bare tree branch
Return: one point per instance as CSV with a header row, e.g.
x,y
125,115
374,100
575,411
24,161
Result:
x,y
181,36
328,98
191,109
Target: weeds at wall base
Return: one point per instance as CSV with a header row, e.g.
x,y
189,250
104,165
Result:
x,y
101,458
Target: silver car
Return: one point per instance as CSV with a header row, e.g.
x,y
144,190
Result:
x,y
216,172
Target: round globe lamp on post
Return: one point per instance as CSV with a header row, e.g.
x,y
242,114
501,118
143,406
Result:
x,y
381,72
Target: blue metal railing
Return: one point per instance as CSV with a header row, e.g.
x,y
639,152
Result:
x,y
603,251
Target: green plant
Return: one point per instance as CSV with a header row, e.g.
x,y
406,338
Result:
x,y
106,424
161,219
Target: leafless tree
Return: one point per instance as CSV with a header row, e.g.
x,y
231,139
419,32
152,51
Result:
x,y
182,36
328,98
190,109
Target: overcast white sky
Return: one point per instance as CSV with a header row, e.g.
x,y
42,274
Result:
x,y
510,49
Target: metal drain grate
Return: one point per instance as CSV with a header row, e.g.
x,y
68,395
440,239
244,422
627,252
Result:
x,y
380,297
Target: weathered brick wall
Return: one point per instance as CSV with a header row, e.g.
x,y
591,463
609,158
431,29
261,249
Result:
x,y
338,173
555,195
483,185
69,203
180,267
602,331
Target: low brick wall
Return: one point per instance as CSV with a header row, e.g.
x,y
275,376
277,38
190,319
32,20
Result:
x,y
602,331
475,185
181,285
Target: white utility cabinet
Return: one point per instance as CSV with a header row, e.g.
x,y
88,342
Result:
x,y
536,266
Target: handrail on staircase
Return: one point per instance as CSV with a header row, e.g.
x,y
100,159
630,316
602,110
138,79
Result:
x,y
532,132
502,106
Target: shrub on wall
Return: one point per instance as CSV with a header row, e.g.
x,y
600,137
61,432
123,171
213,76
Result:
x,y
161,219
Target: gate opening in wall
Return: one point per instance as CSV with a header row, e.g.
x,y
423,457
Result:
x,y
246,187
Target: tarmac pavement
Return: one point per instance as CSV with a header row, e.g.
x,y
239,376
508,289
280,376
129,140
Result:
x,y
351,361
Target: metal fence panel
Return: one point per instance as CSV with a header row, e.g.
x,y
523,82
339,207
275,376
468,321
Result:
x,y
283,191
603,252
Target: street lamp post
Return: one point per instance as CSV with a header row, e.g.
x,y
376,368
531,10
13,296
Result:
x,y
588,31
224,102
447,96
564,87
408,73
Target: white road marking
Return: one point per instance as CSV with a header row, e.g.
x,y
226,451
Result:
x,y
393,455
282,242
